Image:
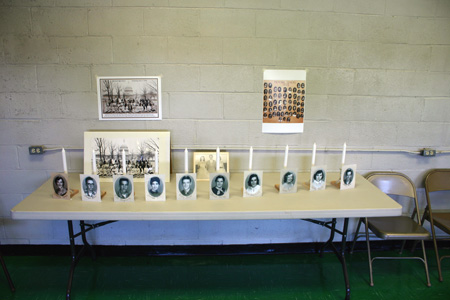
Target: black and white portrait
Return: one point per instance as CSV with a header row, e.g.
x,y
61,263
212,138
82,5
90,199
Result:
x,y
186,187
219,186
348,177
155,188
253,183
288,181
318,178
60,186
123,188
90,188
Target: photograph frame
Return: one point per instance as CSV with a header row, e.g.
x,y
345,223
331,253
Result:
x,y
193,185
84,194
214,193
117,187
286,188
209,166
65,193
322,183
345,185
140,149
161,195
123,98
247,176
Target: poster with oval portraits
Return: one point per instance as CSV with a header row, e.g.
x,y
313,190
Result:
x,y
318,178
60,183
123,188
348,177
186,187
219,186
90,188
155,188
253,182
288,181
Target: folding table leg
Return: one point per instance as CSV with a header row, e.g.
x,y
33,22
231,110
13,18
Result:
x,y
5,270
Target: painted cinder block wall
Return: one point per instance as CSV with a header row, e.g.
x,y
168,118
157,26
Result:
x,y
378,78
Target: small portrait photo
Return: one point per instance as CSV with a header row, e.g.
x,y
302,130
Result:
x,y
90,188
206,163
219,186
288,181
155,188
253,183
348,177
123,188
60,186
318,178
186,187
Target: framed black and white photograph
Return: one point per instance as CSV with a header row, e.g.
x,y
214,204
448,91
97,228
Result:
x,y
155,188
206,163
129,98
123,188
108,153
288,181
186,186
219,186
348,177
60,183
318,178
253,183
90,188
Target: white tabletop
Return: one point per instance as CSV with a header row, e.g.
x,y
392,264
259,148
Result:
x,y
365,200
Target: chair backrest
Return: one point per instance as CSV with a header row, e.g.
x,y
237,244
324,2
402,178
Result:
x,y
438,180
395,183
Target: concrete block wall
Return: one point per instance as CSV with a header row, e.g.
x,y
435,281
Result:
x,y
378,74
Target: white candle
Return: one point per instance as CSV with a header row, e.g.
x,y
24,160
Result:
x,y
313,161
124,162
250,161
64,160
185,160
156,162
286,153
94,165
343,153
217,158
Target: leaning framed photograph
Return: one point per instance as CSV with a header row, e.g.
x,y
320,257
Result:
x,y
108,153
129,98
206,163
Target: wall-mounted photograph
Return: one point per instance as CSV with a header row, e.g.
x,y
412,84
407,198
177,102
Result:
x,y
129,98
110,152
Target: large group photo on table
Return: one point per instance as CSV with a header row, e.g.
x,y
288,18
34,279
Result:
x,y
129,98
137,153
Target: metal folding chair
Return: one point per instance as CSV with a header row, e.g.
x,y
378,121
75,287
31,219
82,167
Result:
x,y
437,180
396,185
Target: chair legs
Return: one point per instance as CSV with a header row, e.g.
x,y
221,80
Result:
x,y
11,285
369,254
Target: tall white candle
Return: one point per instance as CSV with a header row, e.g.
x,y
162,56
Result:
x,y
250,160
156,162
124,162
94,165
64,160
286,153
343,153
185,160
313,161
217,159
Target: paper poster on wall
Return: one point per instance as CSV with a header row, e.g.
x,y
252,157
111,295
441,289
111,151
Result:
x,y
283,101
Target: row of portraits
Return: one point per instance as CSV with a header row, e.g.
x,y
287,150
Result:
x,y
219,185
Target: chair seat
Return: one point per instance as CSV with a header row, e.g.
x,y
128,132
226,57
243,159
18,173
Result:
x,y
442,220
398,228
